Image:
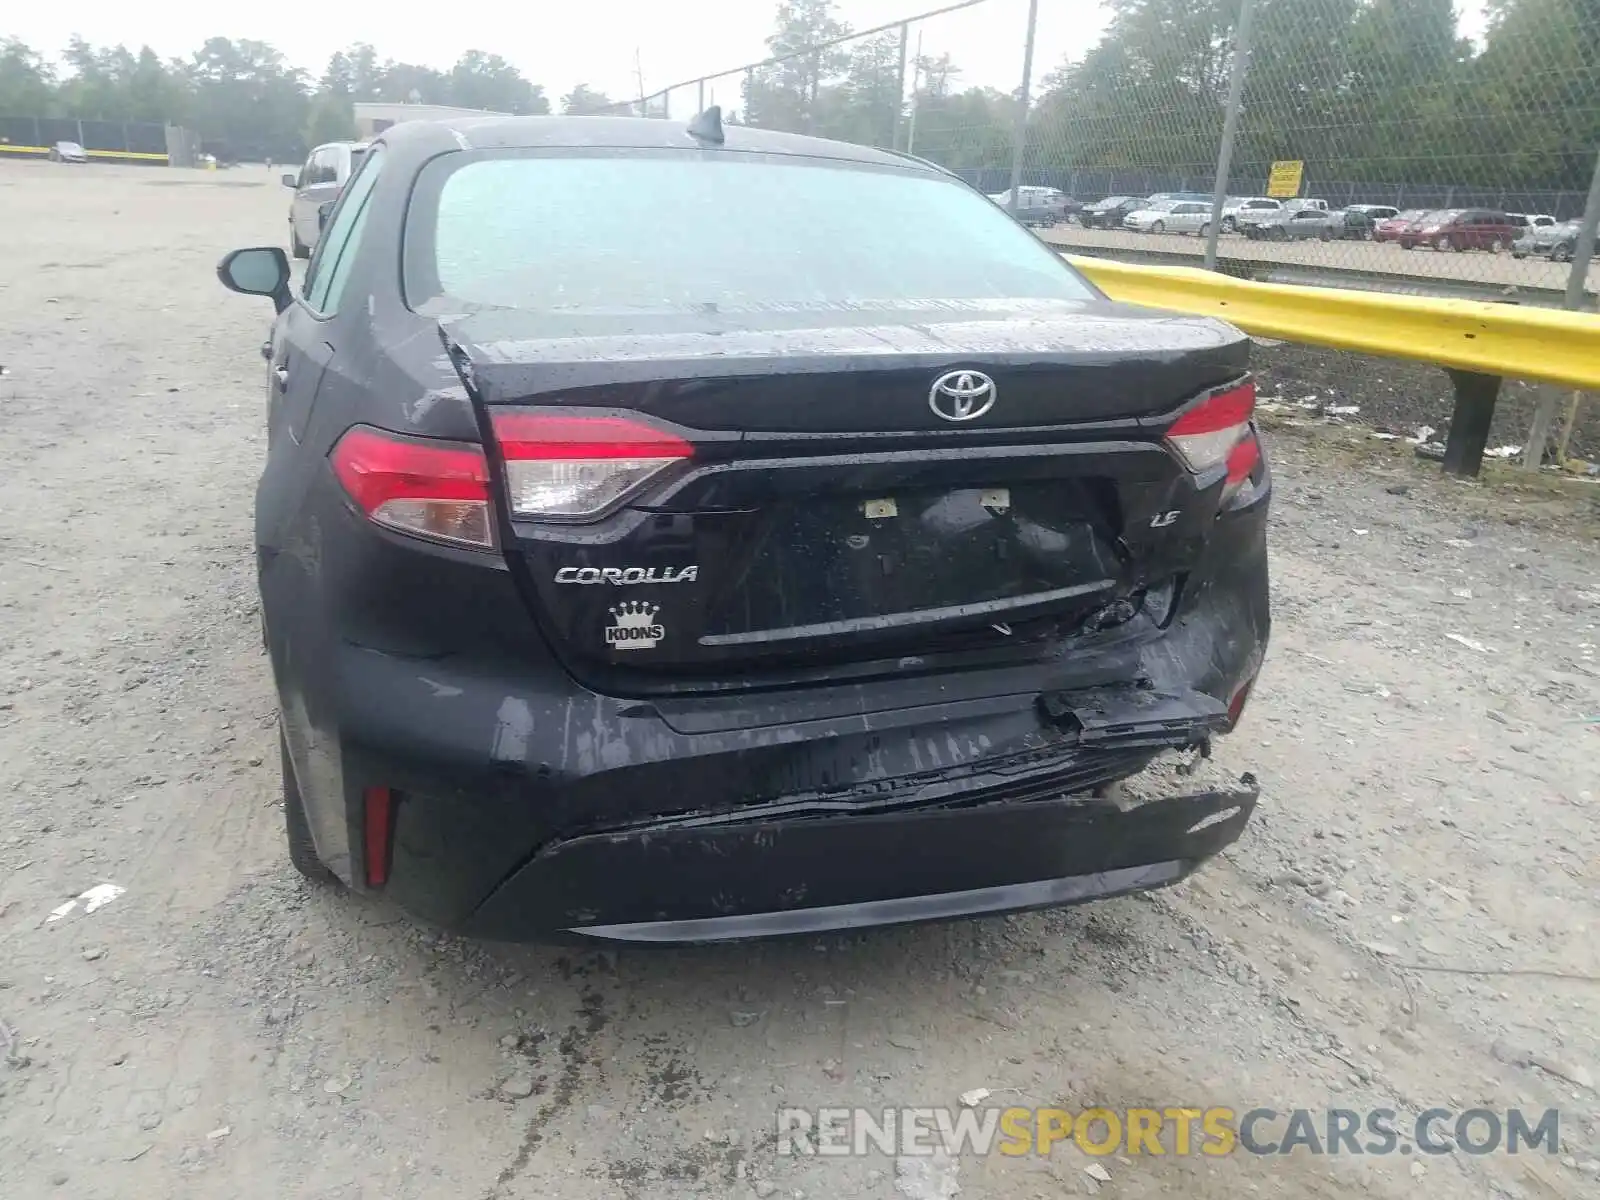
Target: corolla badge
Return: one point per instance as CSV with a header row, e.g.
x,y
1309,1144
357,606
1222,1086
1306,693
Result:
x,y
961,395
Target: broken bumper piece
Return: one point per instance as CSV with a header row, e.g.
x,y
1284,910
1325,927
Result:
x,y
758,875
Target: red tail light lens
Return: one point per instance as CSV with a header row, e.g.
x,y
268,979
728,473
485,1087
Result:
x,y
378,831
1217,431
435,490
572,467
1237,702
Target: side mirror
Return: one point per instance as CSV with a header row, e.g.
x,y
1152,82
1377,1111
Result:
x,y
291,180
324,211
257,271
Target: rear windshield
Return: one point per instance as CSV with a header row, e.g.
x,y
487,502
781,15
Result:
x,y
664,231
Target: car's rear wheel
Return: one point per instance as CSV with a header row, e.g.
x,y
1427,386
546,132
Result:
x,y
1325,235
1229,225
1280,234
297,830
1408,245
1159,227
1205,230
1496,245
296,247
1445,243
1561,254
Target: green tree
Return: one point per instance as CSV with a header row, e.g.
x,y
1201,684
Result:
x,y
89,90
1536,93
865,105
785,95
248,98
155,91
27,82
487,81
408,83
583,100
332,119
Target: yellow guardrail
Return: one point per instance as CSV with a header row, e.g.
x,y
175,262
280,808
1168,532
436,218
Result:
x,y
1509,340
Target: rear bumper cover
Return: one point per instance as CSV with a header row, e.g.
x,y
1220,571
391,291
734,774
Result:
x,y
699,881
529,806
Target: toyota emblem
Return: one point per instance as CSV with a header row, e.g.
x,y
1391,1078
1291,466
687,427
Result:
x,y
961,395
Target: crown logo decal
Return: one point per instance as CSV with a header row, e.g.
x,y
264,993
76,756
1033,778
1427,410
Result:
x,y
635,612
634,626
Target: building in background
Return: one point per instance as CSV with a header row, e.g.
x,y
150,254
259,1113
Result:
x,y
373,118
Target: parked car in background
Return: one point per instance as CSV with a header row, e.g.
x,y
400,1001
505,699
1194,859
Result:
x,y
1394,228
1170,216
1252,205
1539,240
1189,197
594,508
1248,219
68,152
1038,205
1365,219
316,186
1566,243
1352,224
1108,213
1462,229
1294,224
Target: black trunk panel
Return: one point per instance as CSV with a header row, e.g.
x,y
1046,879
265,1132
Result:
x,y
834,515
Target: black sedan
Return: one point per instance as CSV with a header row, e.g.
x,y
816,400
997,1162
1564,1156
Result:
x,y
1108,213
678,534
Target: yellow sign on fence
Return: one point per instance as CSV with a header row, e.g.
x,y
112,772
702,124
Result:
x,y
1285,179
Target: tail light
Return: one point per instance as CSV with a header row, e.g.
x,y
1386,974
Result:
x,y
1237,701
432,489
378,804
1216,432
572,467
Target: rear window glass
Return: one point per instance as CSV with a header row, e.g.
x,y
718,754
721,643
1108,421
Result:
x,y
669,231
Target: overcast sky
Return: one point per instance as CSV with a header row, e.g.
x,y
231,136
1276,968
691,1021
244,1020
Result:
x,y
559,43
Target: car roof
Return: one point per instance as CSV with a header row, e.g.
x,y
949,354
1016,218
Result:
x,y
626,133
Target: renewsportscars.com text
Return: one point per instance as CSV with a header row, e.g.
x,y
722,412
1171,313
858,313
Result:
x,y
1175,1131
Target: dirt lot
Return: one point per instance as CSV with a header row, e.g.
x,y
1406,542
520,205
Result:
x,y
1412,920
1478,266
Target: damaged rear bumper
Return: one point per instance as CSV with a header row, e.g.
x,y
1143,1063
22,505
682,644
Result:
x,y
755,875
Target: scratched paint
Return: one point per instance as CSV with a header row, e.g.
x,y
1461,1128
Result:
x,y
513,727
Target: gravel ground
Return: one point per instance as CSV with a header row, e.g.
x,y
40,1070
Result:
x,y
1410,920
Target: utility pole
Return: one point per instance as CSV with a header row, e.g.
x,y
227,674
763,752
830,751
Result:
x,y
638,74
1022,108
1544,416
916,79
1230,130
900,95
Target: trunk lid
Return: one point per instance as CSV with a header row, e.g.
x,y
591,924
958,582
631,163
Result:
x,y
865,486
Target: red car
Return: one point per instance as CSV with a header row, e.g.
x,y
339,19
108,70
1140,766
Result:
x,y
1461,229
1391,229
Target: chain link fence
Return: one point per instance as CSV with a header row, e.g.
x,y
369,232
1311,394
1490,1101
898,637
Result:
x,y
1392,143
